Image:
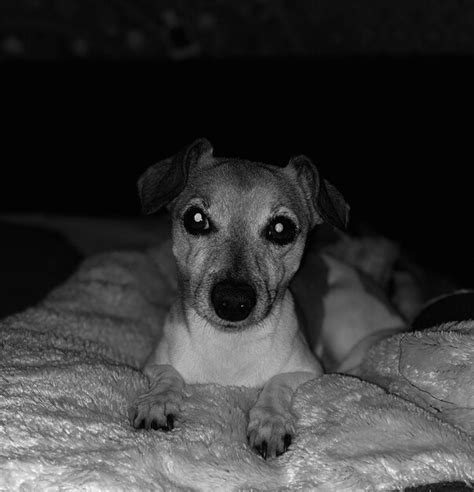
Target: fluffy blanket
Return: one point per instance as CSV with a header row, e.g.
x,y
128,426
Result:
x,y
70,368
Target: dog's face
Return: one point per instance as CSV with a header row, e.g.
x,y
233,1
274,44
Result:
x,y
239,231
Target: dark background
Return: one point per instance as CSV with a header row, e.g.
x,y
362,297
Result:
x,y
380,97
394,135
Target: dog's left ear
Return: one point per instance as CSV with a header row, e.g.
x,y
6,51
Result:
x,y
328,203
161,183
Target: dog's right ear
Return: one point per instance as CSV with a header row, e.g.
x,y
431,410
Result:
x,y
326,200
164,181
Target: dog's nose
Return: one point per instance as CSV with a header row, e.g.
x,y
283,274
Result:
x,y
233,300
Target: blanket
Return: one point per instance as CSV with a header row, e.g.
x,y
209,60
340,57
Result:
x,y
69,369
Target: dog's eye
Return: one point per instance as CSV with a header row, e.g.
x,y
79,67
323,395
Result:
x,y
196,222
281,230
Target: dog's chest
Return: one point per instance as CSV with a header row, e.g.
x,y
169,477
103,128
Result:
x,y
245,358
227,359
250,357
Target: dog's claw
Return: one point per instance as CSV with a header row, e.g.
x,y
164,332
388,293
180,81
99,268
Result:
x,y
170,422
269,435
156,410
156,426
264,450
286,442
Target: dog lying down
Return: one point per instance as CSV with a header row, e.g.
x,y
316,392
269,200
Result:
x,y
239,231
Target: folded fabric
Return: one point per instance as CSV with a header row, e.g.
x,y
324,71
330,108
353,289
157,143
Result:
x,y
433,368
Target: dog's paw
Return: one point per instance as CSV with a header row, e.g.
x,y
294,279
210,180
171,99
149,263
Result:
x,y
154,410
269,431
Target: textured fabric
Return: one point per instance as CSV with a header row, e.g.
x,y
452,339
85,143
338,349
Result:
x,y
434,368
69,370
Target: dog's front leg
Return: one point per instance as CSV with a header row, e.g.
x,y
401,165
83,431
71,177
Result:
x,y
271,422
158,407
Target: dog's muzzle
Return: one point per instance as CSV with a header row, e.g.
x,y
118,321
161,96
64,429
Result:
x,y
233,301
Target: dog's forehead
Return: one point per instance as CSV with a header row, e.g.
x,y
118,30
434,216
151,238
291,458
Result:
x,y
241,175
244,184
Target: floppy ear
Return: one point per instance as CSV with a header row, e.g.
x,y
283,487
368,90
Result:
x,y
164,181
326,200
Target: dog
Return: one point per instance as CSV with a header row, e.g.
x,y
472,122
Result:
x,y
239,230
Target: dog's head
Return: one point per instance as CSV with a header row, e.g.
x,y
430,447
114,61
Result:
x,y
239,227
